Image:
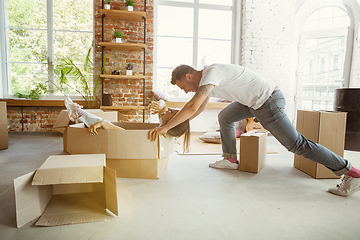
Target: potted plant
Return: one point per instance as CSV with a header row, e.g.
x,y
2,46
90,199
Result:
x,y
107,4
118,36
130,5
129,68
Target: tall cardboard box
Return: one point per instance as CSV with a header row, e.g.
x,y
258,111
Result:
x,y
66,189
129,152
325,128
4,138
253,148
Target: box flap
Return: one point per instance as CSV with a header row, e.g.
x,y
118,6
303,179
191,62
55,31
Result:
x,y
74,208
253,133
62,120
110,190
63,169
30,201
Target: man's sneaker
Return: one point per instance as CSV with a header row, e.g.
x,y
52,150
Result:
x,y
347,186
72,109
224,163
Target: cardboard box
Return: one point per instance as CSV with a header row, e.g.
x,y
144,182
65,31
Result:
x,y
66,189
325,128
253,148
63,119
130,153
4,137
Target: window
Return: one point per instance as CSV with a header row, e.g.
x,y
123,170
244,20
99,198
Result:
x,y
323,52
192,32
36,32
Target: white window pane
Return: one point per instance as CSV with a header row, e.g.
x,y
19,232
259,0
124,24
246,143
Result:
x,y
218,27
212,51
311,26
164,84
325,23
217,2
326,12
175,21
174,51
27,14
314,16
338,12
73,15
27,45
341,22
24,77
73,44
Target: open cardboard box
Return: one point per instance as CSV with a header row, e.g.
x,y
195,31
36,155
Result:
x,y
129,152
4,137
253,149
63,119
325,128
66,189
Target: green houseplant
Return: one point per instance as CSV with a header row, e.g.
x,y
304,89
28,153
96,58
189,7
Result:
x,y
118,36
130,5
35,92
71,74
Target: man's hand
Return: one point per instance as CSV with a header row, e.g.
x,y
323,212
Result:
x,y
154,133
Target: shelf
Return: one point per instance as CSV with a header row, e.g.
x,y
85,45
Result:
x,y
123,15
38,103
123,46
122,107
134,77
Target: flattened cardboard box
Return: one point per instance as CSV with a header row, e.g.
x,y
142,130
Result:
x,y
66,189
325,128
253,149
4,137
130,153
63,119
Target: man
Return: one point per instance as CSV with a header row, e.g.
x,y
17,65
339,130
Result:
x,y
252,96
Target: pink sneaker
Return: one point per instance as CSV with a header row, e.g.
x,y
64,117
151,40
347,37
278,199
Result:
x,y
72,109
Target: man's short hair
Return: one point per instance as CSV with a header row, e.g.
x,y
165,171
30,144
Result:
x,y
179,73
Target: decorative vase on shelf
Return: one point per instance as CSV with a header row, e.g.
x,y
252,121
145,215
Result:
x,y
130,8
107,6
128,72
118,40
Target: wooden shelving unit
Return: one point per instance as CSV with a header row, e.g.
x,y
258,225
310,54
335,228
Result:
x,y
123,15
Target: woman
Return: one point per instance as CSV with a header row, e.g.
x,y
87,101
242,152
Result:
x,y
93,122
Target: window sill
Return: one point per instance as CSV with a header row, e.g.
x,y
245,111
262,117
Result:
x,y
37,103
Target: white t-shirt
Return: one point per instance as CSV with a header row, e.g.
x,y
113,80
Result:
x,y
236,83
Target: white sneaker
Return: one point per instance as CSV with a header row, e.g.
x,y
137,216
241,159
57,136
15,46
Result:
x,y
72,109
224,163
346,187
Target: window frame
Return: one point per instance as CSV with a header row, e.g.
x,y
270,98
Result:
x,y
196,5
5,84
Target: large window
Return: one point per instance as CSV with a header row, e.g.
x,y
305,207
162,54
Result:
x,y
323,54
192,32
38,32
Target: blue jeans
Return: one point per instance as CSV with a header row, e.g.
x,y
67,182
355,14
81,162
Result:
x,y
272,117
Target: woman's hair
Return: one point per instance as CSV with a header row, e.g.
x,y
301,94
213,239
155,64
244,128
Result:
x,y
179,72
179,130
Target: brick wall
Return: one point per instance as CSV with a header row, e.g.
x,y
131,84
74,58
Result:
x,y
126,92
32,118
